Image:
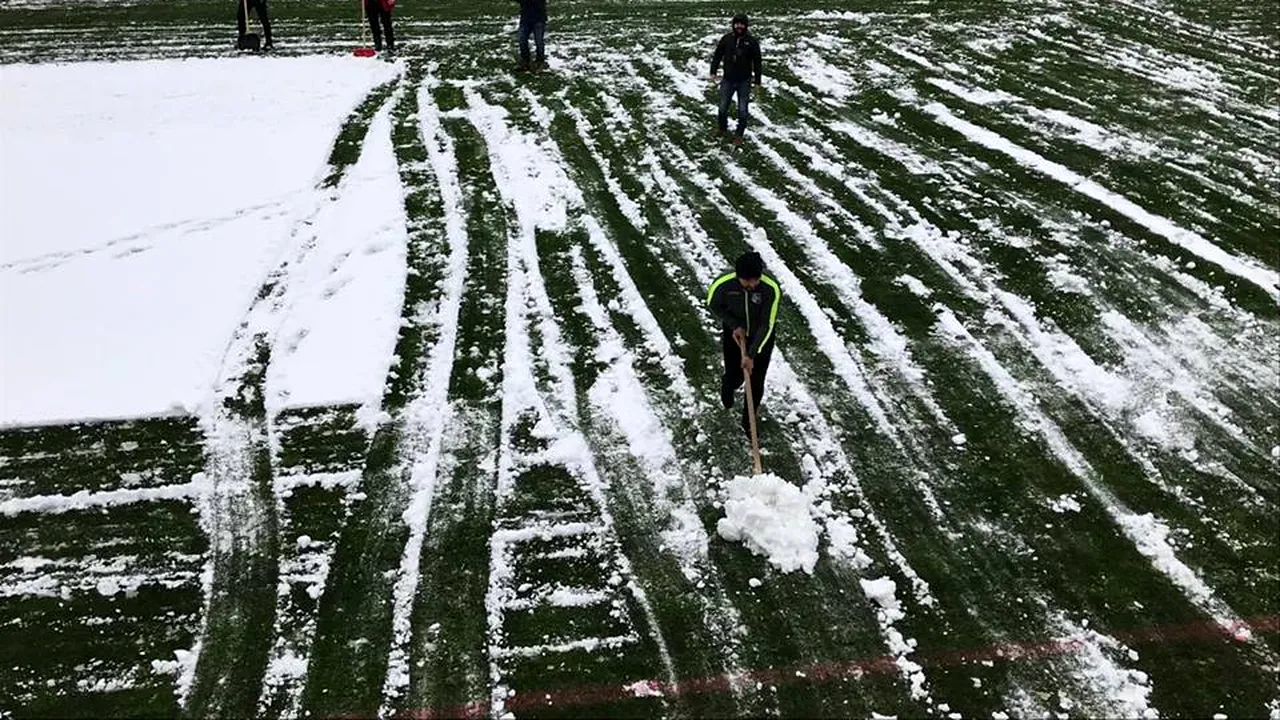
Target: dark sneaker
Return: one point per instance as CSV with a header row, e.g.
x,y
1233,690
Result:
x,y
737,140
726,397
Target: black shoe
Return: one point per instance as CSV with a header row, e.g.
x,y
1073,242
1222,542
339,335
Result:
x,y
726,397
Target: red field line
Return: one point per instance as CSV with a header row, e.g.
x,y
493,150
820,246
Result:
x,y
588,696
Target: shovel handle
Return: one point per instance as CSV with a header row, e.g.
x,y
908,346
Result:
x,y
751,413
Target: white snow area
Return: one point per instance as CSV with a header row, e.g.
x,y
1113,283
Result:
x,y
141,205
772,518
337,341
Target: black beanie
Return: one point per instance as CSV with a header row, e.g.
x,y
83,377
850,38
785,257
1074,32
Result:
x,y
749,265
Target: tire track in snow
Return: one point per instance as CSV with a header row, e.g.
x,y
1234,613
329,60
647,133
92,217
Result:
x,y
431,408
1073,367
956,274
616,411
360,624
1146,532
705,264
1242,267
226,674
536,194
448,660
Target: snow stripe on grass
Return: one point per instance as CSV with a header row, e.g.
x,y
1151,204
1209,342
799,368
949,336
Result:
x,y
1242,267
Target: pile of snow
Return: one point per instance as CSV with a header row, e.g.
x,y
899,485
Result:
x,y
771,517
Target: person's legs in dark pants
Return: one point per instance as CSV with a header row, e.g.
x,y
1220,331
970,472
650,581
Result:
x,y
385,16
744,96
726,99
758,372
732,378
373,8
540,42
260,8
241,21
525,30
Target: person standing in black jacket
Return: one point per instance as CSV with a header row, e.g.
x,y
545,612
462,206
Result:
x,y
740,52
746,301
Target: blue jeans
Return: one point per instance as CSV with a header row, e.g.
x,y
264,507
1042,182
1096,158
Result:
x,y
727,89
539,32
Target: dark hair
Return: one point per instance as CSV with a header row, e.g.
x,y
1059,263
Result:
x,y
749,265
740,18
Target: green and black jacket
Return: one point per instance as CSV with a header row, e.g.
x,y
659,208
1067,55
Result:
x,y
756,311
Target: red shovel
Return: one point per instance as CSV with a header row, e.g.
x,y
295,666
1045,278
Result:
x,y
364,50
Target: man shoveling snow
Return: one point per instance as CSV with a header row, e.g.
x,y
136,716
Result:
x,y
746,301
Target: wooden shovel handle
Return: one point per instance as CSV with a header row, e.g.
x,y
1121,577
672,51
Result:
x,y
751,413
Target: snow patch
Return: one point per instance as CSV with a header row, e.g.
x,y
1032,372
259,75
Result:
x,y
106,248
772,518
644,688
1065,504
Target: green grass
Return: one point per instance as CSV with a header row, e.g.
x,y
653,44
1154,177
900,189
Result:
x,y
974,523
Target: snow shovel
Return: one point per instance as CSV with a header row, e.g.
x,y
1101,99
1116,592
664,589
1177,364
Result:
x,y
751,416
364,50
248,41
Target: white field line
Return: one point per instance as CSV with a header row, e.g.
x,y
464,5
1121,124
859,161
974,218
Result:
x,y
587,644
428,414
86,500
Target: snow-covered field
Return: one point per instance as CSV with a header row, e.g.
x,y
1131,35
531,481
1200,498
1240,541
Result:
x,y
344,387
